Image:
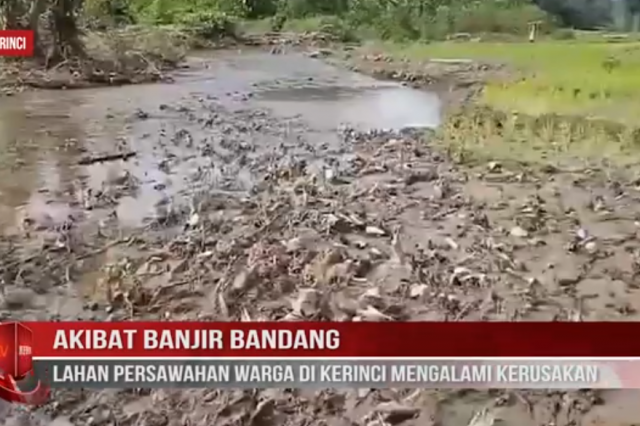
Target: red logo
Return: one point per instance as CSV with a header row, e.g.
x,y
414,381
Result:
x,y
16,364
16,43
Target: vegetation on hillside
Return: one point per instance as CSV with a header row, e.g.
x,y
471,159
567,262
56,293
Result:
x,y
411,19
402,19
348,19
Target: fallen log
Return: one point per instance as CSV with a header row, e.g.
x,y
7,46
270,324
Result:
x,y
86,161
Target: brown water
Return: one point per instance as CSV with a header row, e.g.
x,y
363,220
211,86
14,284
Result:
x,y
45,134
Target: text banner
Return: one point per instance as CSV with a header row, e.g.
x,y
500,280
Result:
x,y
308,339
328,373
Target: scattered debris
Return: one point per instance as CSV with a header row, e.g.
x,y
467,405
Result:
x,y
260,234
106,157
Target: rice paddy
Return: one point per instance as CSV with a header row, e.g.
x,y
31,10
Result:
x,y
562,101
578,77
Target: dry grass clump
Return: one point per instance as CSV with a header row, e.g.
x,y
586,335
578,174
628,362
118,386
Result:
x,y
481,132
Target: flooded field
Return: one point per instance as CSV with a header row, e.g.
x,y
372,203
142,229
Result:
x,y
265,105
277,187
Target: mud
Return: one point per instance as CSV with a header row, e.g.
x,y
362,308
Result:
x,y
279,187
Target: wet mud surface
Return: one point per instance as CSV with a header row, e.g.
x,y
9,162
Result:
x,y
278,187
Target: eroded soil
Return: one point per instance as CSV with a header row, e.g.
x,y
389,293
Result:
x,y
277,187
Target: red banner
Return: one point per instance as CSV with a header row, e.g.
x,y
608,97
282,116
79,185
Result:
x,y
304,339
16,43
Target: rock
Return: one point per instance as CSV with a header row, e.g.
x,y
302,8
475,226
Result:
x,y
582,234
245,279
417,291
371,314
194,220
519,232
375,231
591,247
494,166
394,413
372,296
293,245
568,278
375,253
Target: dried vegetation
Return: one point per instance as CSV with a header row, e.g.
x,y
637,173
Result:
x,y
401,232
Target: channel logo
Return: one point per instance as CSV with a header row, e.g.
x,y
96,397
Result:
x,y
18,383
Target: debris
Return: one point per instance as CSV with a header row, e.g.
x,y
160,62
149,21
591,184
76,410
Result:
x,y
375,231
484,417
417,291
494,166
256,223
591,247
307,303
519,232
394,413
106,157
371,314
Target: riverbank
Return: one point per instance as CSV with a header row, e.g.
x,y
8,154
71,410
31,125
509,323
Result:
x,y
519,105
117,57
591,77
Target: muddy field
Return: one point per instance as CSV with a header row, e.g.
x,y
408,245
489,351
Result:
x,y
278,187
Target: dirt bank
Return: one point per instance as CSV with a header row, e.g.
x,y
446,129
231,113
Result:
x,y
263,211
119,57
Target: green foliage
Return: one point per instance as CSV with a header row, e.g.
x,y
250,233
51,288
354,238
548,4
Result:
x,y
540,84
424,19
338,28
386,19
208,24
307,8
563,34
108,13
166,12
203,18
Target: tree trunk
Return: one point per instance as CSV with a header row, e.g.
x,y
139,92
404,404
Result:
x,y
37,8
66,28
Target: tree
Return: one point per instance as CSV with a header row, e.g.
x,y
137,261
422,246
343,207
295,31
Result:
x,y
66,30
582,14
37,9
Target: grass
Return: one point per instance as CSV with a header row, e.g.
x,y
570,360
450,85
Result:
x,y
566,101
478,133
579,77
